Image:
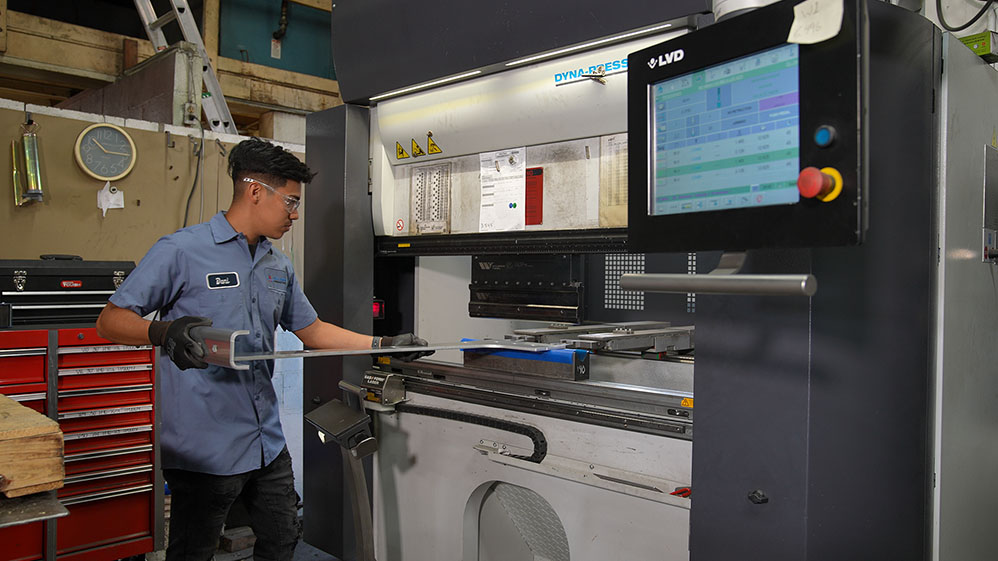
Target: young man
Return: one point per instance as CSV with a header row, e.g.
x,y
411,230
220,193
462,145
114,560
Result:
x,y
221,435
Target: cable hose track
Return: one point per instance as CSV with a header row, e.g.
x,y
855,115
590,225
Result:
x,y
533,433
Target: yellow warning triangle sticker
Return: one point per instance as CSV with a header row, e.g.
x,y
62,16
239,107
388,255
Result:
x,y
400,153
431,147
416,150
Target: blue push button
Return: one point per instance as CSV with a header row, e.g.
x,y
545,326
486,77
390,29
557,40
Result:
x,y
824,136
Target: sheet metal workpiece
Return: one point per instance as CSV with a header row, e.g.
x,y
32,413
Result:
x,y
220,347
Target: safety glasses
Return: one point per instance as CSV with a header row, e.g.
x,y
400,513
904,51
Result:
x,y
290,203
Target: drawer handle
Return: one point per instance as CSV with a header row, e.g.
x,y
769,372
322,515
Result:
x,y
11,353
93,476
21,398
106,495
104,391
104,412
108,432
101,349
58,293
104,369
55,307
107,453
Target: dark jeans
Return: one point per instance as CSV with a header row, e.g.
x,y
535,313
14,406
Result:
x,y
201,501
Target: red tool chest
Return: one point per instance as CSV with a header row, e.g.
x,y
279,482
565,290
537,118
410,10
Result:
x,y
103,395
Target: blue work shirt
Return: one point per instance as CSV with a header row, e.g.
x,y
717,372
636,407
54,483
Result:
x,y
219,420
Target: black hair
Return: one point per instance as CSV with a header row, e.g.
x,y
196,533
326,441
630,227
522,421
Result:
x,y
273,163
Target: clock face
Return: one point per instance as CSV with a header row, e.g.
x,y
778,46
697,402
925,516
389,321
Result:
x,y
105,152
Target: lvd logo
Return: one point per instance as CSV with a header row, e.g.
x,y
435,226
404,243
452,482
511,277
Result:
x,y
668,58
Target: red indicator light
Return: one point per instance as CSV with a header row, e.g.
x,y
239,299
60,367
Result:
x,y
378,309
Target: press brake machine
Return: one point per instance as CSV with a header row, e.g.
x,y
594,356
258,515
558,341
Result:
x,y
798,234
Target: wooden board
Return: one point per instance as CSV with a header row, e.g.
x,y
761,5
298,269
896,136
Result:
x,y
30,450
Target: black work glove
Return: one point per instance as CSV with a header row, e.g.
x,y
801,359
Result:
x,y
406,340
185,350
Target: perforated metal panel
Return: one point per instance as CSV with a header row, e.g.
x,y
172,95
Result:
x,y
615,297
430,209
691,269
536,521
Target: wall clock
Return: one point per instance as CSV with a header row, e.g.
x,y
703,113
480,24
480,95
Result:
x,y
105,152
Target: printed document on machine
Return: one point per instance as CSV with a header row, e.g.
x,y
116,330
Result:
x,y
503,178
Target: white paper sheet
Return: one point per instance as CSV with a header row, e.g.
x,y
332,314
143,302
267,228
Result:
x,y
613,181
816,21
503,181
110,197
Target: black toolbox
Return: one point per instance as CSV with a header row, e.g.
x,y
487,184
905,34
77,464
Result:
x,y
57,289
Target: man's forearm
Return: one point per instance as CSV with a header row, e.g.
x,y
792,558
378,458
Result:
x,y
122,326
323,335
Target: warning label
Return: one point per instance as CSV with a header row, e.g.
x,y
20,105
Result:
x,y
416,150
431,147
400,153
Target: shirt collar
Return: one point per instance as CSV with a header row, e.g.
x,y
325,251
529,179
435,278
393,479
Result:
x,y
222,231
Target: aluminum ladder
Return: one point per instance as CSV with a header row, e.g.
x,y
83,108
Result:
x,y
214,106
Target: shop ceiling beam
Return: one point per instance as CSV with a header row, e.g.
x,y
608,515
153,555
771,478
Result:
x,y
40,50
324,5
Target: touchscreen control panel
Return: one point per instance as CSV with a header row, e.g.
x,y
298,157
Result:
x,y
747,141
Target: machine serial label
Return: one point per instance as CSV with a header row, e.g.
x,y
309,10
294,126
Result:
x,y
222,280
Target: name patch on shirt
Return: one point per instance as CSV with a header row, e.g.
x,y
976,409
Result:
x,y
222,280
277,280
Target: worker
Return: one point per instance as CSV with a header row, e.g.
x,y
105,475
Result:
x,y
221,434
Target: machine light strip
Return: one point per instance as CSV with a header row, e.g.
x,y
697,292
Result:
x,y
588,45
426,85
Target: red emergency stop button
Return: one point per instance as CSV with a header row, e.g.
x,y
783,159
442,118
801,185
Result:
x,y
823,184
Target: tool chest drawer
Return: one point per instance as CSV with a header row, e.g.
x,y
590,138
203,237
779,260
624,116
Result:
x,y
22,357
101,460
105,481
34,400
10,390
105,440
105,376
81,337
102,519
96,419
99,398
22,366
104,355
23,542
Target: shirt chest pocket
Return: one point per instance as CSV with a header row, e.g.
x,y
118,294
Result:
x,y
277,292
221,291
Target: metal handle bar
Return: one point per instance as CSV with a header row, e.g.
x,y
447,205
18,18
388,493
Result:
x,y
762,285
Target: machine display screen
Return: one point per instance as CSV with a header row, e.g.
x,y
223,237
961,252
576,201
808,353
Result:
x,y
726,136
